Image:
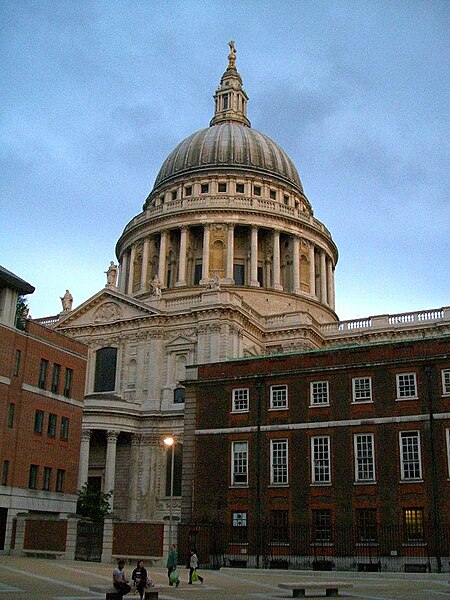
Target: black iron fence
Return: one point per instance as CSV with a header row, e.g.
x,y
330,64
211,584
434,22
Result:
x,y
386,548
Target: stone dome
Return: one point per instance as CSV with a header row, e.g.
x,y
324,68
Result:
x,y
229,145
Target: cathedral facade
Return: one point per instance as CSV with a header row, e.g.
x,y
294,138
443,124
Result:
x,y
226,260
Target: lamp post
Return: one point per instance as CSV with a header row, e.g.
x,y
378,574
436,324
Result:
x,y
170,443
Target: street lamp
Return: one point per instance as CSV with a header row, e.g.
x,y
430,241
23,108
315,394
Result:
x,y
170,443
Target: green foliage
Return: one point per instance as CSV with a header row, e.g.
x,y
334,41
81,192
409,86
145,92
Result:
x,y
93,503
21,312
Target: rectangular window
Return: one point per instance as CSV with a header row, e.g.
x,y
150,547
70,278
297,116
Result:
x,y
174,195
366,524
240,527
286,199
68,383
188,190
55,378
321,526
240,400
446,382
32,478
319,393
60,480
47,478
239,188
239,274
239,463
362,389
413,524
204,188
406,386
11,410
17,363
38,421
5,472
321,460
257,190
279,526
51,429
222,187
273,195
64,428
364,457
278,396
279,462
410,458
43,373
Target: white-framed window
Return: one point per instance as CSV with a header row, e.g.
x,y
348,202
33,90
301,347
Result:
x,y
410,456
406,386
446,382
319,393
278,396
239,463
240,400
448,451
364,457
320,459
362,389
279,462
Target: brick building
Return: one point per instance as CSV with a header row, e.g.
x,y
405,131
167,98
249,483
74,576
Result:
x,y
42,375
325,456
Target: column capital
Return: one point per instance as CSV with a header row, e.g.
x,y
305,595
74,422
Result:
x,y
111,436
86,435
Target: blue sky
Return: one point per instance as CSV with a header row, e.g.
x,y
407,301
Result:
x,y
95,94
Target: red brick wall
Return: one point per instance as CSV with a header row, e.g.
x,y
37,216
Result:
x,y
138,539
45,535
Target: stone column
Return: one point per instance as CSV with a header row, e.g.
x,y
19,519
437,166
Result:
x,y
254,257
162,259
144,270
182,258
83,468
123,268
296,266
312,270
230,254
205,259
276,261
131,270
110,467
330,281
323,277
134,477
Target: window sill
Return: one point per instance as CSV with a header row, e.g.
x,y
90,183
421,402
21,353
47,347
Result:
x,y
411,481
372,482
353,402
319,405
279,485
321,484
370,543
322,544
407,399
239,486
278,408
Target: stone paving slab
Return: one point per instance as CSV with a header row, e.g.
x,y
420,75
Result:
x,y
54,579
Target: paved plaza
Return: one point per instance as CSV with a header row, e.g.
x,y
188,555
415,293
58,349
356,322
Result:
x,y
39,579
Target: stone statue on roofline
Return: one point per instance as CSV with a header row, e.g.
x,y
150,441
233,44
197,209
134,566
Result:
x,y
156,287
111,275
67,301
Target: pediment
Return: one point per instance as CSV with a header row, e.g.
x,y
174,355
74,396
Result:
x,y
107,306
180,341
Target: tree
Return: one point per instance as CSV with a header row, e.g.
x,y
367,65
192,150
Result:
x,y
22,309
93,503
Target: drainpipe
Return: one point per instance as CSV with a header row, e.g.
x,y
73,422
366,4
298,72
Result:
x,y
259,462
434,476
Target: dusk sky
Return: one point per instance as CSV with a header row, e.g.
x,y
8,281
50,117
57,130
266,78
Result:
x,y
96,94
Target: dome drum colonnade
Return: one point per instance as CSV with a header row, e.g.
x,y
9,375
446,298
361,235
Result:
x,y
228,203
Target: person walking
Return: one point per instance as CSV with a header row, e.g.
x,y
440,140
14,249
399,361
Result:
x,y
172,562
120,581
193,564
139,577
